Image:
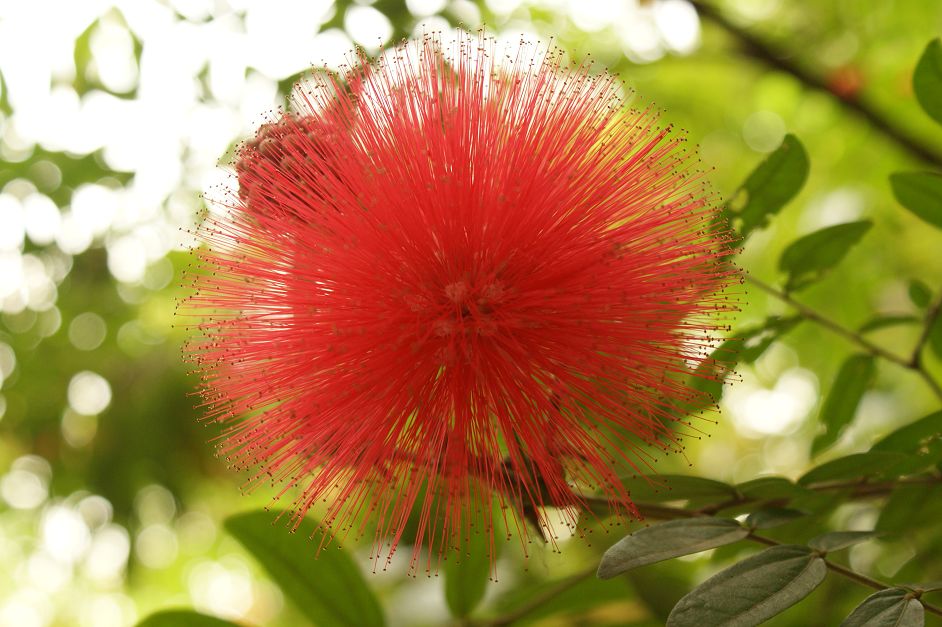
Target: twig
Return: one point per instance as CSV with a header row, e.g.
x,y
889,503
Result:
x,y
819,318
666,512
781,60
928,323
808,313
848,573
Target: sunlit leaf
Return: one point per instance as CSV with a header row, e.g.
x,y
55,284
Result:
x,y
753,590
842,400
921,193
837,540
887,608
810,256
183,618
856,466
770,517
911,437
329,590
771,185
927,80
668,540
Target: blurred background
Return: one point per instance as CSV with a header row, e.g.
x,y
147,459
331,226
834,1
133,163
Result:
x,y
114,117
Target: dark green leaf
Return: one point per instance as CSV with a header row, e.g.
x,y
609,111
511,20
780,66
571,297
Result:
x,y
912,437
768,488
935,336
772,517
810,256
921,193
776,181
857,466
887,608
183,618
837,540
919,293
927,80
841,403
661,488
467,573
668,540
909,506
753,590
328,588
883,321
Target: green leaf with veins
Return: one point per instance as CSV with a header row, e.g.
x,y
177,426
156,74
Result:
x,y
753,590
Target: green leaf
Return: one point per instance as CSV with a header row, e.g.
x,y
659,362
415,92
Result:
x,y
912,437
767,488
771,185
467,573
668,540
753,590
328,588
748,345
889,320
183,618
929,586
921,193
661,488
837,540
919,293
887,608
841,403
935,337
909,507
772,517
856,466
927,80
809,257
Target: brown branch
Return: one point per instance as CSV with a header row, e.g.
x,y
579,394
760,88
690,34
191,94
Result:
x,y
781,60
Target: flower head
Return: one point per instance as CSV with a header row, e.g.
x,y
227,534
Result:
x,y
452,275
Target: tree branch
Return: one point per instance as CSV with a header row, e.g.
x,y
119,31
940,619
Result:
x,y
780,60
808,313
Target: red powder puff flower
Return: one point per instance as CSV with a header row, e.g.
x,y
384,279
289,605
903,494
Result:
x,y
455,274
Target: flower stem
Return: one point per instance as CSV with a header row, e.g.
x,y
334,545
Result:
x,y
914,364
784,61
